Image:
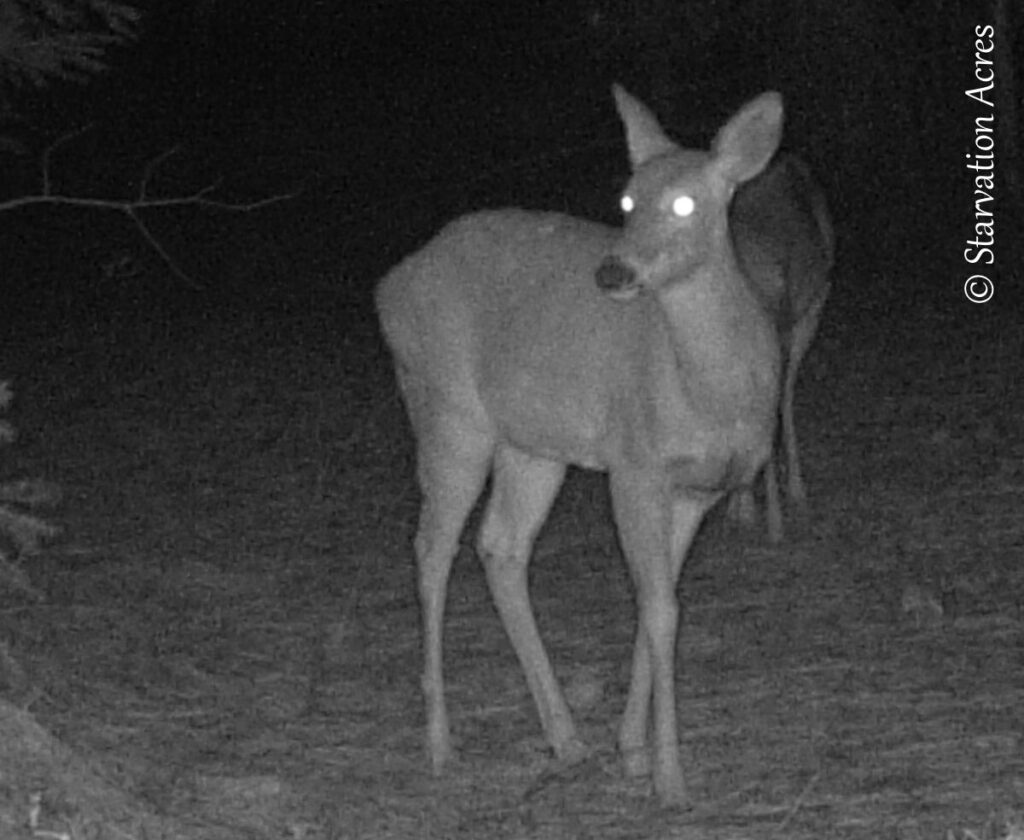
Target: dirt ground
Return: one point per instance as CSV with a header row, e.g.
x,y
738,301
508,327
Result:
x,y
226,642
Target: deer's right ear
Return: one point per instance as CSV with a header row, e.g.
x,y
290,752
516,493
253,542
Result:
x,y
644,135
745,144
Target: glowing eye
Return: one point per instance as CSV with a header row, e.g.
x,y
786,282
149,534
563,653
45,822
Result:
x,y
683,206
627,204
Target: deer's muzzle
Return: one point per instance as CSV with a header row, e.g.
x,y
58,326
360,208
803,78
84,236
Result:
x,y
614,276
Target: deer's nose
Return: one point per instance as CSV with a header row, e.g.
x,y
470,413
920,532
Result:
x,y
613,275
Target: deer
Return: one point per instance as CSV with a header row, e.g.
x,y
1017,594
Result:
x,y
524,342
785,242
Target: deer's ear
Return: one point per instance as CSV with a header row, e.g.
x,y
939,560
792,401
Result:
x,y
644,135
745,144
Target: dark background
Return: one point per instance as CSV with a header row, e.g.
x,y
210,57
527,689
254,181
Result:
x,y
230,609
394,117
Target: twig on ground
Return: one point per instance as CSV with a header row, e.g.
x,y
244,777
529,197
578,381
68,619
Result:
x,y
799,801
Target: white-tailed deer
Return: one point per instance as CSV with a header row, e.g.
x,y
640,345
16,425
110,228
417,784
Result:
x,y
525,341
785,244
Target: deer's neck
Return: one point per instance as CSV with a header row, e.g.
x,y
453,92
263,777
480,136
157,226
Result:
x,y
725,346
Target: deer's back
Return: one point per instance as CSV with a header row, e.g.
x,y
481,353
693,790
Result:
x,y
783,237
501,315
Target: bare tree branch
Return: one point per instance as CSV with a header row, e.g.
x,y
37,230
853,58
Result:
x,y
151,167
155,243
49,150
131,208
